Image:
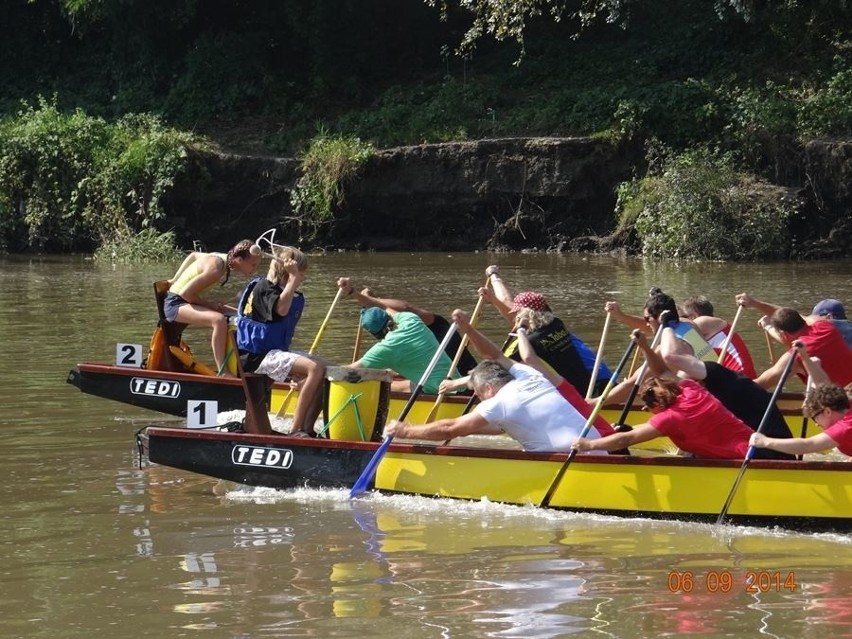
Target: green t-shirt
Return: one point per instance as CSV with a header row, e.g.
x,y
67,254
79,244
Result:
x,y
408,349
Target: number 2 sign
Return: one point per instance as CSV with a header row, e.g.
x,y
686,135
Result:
x,y
128,355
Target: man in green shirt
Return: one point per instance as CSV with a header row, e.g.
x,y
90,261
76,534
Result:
x,y
406,346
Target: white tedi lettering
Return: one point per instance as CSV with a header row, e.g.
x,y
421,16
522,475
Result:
x,y
260,456
157,388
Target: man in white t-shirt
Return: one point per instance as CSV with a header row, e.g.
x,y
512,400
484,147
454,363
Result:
x,y
515,399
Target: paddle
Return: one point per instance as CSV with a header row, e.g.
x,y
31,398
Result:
x,y
366,477
750,452
356,352
588,425
283,408
598,357
640,375
474,318
769,347
730,335
808,389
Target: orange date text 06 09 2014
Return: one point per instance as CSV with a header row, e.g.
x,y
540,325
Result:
x,y
723,581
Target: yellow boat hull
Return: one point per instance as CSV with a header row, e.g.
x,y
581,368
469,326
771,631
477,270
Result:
x,y
648,486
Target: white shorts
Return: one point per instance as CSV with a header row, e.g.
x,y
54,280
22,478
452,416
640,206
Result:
x,y
277,364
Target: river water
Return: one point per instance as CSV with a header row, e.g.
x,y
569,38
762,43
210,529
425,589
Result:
x,y
97,545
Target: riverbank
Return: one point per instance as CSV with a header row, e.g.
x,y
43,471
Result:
x,y
509,194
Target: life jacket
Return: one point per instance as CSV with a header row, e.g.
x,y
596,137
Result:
x,y
700,348
554,345
258,337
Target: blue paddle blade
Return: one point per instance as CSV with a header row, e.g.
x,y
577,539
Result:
x,y
363,482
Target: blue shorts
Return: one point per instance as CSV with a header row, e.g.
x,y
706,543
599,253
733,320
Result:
x,y
171,305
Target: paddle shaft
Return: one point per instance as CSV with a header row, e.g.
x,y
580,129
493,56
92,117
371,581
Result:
x,y
730,335
325,321
477,310
769,347
369,471
638,382
588,425
750,452
804,432
598,358
356,352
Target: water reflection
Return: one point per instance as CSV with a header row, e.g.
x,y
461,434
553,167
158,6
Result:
x,y
96,546
286,563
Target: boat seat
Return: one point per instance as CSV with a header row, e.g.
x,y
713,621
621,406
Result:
x,y
161,358
257,389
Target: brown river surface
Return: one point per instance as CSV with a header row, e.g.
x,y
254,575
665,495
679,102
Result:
x,y
95,545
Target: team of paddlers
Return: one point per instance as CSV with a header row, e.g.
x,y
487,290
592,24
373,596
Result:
x,y
544,386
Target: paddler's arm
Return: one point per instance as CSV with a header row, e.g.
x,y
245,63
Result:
x,y
631,321
639,434
294,280
769,378
765,308
443,429
530,358
391,305
501,298
812,365
793,445
656,365
484,346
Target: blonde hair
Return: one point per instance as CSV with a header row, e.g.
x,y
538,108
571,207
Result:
x,y
277,273
534,319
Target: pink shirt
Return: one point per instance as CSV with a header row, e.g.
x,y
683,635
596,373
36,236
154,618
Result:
x,y
841,432
698,423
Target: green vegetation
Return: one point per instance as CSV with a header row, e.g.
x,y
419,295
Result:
x,y
148,245
696,206
329,162
71,181
264,76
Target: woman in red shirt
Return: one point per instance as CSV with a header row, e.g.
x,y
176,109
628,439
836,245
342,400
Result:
x,y
690,416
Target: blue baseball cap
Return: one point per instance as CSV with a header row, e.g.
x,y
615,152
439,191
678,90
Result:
x,y
374,319
830,307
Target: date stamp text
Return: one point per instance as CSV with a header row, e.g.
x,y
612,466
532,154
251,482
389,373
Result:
x,y
724,581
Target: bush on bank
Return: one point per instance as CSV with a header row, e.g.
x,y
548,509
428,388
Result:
x,y
73,182
329,162
695,205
